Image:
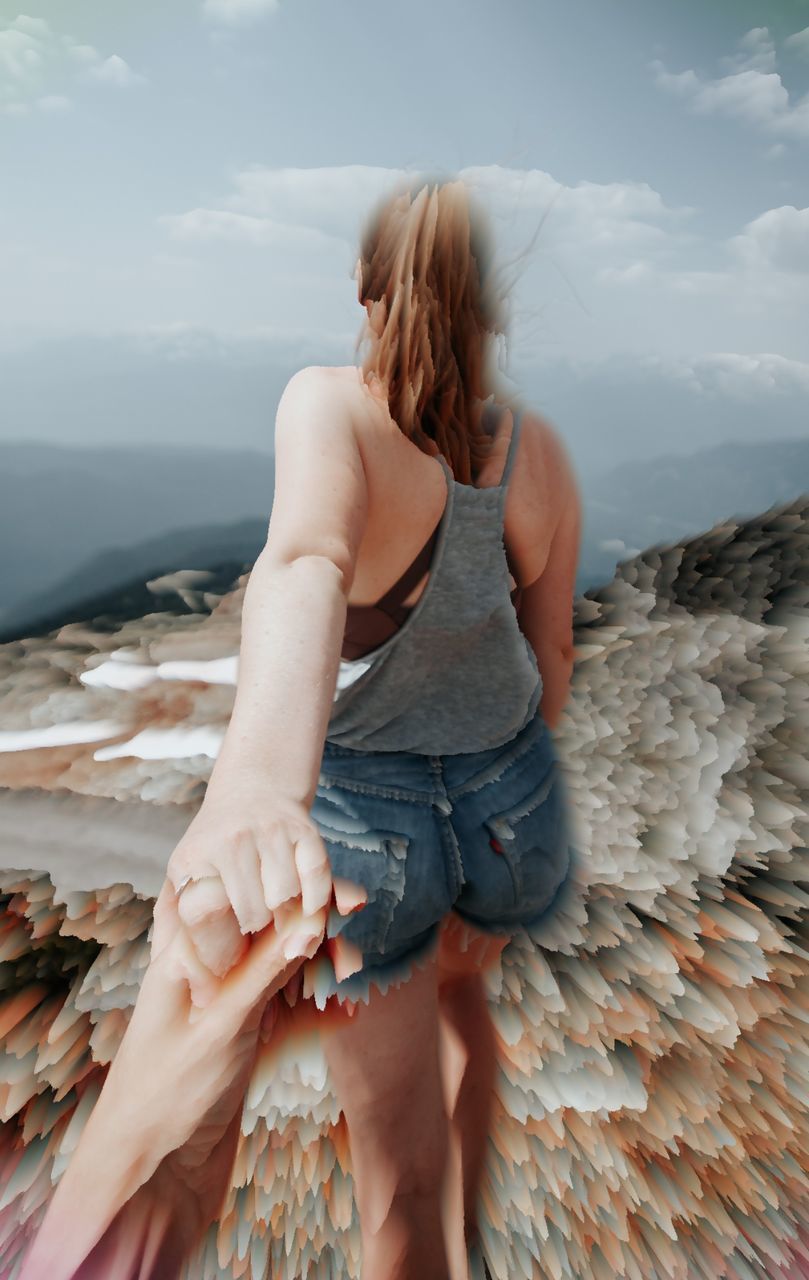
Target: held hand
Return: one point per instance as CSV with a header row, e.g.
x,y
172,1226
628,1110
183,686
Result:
x,y
251,859
172,1092
183,1060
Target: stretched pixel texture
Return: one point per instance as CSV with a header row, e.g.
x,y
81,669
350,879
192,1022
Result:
x,y
650,1117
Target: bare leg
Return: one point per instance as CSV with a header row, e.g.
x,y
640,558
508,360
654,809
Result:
x,y
386,1067
464,1006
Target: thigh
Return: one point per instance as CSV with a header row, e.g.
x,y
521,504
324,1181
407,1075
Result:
x,y
465,950
386,1068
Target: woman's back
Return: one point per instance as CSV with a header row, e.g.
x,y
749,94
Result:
x,y
407,494
451,667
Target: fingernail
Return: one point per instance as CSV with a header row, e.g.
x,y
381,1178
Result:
x,y
299,944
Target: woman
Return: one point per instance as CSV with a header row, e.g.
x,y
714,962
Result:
x,y
388,742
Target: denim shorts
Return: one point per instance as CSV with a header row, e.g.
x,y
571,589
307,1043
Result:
x,y
484,834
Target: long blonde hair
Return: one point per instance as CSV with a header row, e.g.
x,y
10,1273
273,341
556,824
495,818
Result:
x,y
426,267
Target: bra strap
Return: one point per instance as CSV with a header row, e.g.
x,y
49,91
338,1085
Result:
x,y
413,573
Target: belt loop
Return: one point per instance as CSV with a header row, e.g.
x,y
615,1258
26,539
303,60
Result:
x,y
441,800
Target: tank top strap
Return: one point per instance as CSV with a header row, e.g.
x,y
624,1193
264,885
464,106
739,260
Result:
x,y
512,447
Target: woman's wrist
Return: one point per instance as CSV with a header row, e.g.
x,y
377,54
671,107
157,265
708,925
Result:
x,y
240,786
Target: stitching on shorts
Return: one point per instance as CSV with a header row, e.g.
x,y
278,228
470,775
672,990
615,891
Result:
x,y
388,844
334,749
495,770
373,789
500,823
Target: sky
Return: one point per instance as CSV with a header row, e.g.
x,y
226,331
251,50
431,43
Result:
x,y
184,185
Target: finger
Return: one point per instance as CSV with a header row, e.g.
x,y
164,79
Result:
x,y
219,943
279,873
314,870
260,975
348,895
241,876
346,957
203,985
206,913
165,922
203,898
300,933
167,931
182,974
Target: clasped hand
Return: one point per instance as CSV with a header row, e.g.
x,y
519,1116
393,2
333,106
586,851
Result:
x,y
167,1120
255,858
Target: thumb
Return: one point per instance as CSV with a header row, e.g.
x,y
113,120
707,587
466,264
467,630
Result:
x,y
172,949
165,920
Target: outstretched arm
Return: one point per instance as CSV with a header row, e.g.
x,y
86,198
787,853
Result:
x,y
293,622
295,603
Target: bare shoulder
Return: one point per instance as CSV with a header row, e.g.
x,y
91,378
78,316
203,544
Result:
x,y
543,497
340,386
320,500
323,394
317,415
320,380
544,458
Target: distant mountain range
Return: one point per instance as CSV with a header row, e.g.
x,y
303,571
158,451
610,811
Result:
x,y
79,522
73,520
638,505
127,582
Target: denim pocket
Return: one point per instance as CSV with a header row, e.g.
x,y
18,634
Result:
x,y
531,838
367,855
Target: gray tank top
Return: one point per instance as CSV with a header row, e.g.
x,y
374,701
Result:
x,y
458,675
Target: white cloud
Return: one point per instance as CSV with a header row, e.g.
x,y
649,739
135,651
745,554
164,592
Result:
x,y
799,42
778,239
306,207
38,65
114,70
618,546
308,195
346,191
220,224
740,376
743,376
237,13
752,90
23,46
299,219
759,276
756,53
234,13
84,54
